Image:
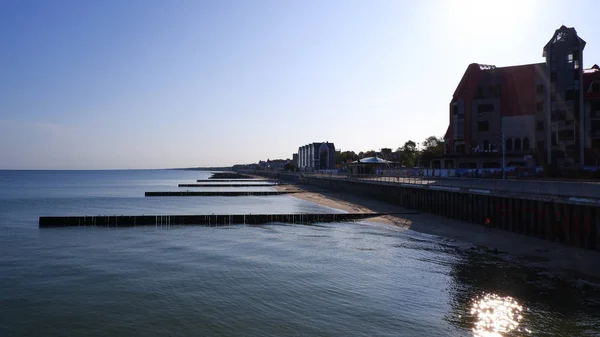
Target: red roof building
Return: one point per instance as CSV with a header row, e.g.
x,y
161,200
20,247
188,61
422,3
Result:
x,y
535,113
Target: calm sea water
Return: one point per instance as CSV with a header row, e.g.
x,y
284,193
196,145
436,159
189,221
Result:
x,y
346,279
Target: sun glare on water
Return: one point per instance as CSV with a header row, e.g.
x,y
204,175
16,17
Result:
x,y
496,315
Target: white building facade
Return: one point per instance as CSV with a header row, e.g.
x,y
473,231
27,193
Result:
x,y
316,156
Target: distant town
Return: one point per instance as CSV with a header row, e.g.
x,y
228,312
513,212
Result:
x,y
541,118
411,154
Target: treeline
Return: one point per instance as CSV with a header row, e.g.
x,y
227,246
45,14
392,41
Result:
x,y
411,154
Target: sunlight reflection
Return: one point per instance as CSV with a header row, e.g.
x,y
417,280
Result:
x,y
495,315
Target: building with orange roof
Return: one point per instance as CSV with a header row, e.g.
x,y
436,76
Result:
x,y
546,112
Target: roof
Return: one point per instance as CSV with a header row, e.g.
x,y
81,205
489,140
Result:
x,y
372,160
563,34
517,85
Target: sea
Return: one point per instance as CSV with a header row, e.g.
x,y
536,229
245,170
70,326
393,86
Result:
x,y
325,279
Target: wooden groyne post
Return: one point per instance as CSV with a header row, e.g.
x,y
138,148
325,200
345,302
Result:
x,y
204,220
215,193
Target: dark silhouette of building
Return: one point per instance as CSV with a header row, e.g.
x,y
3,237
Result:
x,y
316,156
535,113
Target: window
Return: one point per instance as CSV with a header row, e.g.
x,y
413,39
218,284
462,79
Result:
x,y
525,144
517,144
482,108
576,74
540,89
595,127
576,65
479,93
553,76
571,95
566,135
455,108
539,106
553,96
560,115
483,126
541,146
459,127
508,146
494,90
486,145
497,92
570,58
540,126
595,109
595,87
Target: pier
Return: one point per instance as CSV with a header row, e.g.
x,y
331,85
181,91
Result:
x,y
203,220
214,193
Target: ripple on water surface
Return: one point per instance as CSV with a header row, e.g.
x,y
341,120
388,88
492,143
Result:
x,y
344,279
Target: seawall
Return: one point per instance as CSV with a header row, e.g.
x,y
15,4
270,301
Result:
x,y
571,223
568,218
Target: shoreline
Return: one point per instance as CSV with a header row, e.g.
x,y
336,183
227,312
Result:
x,y
549,255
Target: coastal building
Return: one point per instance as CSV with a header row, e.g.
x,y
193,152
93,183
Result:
x,y
591,110
369,165
316,156
533,114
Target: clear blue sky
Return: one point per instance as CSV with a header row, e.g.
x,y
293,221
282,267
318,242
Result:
x,y
153,84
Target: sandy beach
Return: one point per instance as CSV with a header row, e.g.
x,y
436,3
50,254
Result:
x,y
574,262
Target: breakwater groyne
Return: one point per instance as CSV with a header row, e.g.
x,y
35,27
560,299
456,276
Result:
x,y
214,193
229,185
203,220
229,175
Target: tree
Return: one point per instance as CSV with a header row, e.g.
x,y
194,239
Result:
x,y
431,142
432,147
345,157
371,153
289,167
407,154
409,146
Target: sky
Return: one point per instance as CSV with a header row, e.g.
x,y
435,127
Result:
x,y
113,84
